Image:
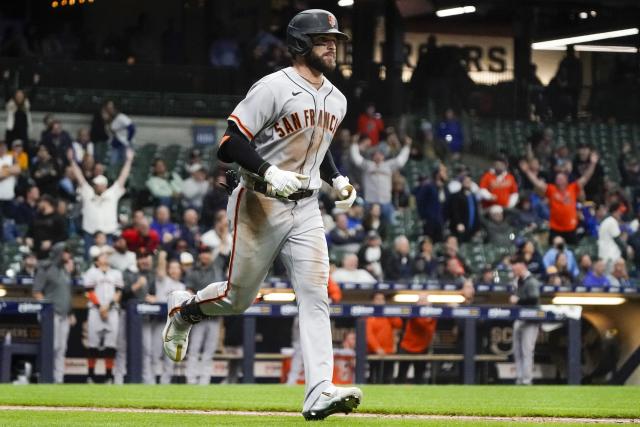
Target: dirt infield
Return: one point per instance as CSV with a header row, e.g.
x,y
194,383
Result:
x,y
541,420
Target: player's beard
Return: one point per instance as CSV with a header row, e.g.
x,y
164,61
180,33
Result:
x,y
323,64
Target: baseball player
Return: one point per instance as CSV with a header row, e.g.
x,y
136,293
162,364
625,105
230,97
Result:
x,y
103,286
280,136
204,339
168,279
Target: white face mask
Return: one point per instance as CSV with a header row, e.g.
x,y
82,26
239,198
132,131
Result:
x,y
373,254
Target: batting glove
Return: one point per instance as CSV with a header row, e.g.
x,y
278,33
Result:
x,y
346,192
284,183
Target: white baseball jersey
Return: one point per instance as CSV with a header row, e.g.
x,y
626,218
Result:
x,y
289,122
104,284
120,128
165,286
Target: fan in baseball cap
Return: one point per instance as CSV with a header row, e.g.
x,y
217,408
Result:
x,y
100,182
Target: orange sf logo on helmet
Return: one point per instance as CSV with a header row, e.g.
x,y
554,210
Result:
x,y
332,21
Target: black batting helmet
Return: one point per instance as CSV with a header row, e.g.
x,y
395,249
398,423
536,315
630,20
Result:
x,y
308,23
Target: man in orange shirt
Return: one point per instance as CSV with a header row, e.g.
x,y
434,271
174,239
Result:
x,y
418,334
381,341
370,124
498,186
563,197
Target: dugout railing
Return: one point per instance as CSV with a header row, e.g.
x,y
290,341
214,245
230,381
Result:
x,y
468,315
42,348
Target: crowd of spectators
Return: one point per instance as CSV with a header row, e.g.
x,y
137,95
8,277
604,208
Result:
x,y
542,207
545,206
545,199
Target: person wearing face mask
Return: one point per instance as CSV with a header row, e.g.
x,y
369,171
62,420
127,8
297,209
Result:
x,y
370,254
559,246
498,186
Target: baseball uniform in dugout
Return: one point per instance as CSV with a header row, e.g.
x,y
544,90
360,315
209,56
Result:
x,y
104,284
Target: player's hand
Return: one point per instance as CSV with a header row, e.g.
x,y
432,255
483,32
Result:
x,y
513,299
284,182
346,192
594,157
381,352
104,312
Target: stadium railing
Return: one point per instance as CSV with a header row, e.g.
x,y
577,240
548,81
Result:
x,y
469,315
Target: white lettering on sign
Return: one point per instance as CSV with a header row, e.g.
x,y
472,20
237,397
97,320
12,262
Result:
x,y
29,308
498,313
430,311
149,309
361,310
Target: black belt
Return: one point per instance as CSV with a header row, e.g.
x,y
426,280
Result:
x,y
261,187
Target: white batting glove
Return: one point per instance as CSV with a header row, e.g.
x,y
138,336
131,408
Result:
x,y
284,182
346,192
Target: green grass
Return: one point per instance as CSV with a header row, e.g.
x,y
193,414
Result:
x,y
559,401
40,418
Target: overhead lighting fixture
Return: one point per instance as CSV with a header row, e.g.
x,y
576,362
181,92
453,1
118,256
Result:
x,y
445,298
443,13
583,15
406,298
279,297
596,48
432,298
567,300
599,48
345,3
585,38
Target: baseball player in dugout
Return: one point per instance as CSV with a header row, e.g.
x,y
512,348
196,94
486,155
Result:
x,y
280,135
103,289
